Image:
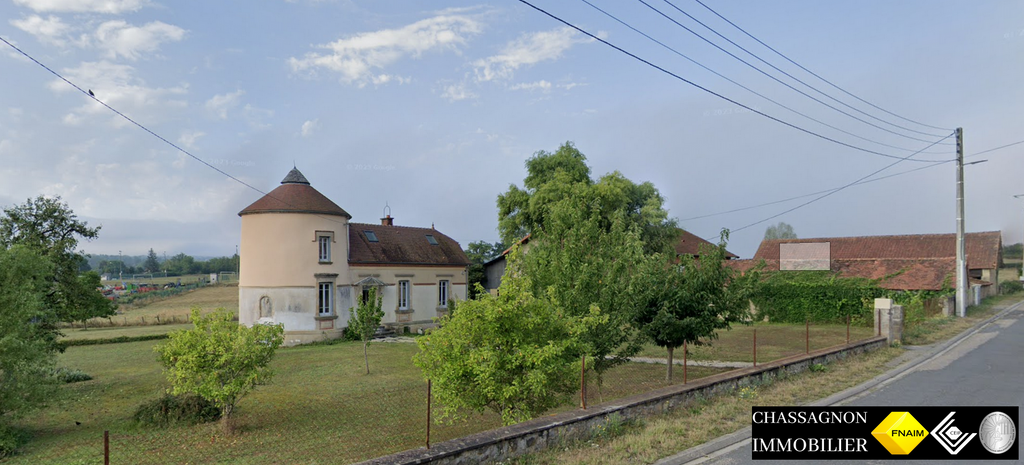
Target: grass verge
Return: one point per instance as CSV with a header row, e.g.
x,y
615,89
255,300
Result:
x,y
940,328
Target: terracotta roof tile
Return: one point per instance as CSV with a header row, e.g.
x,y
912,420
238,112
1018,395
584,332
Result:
x,y
689,244
983,248
295,195
402,245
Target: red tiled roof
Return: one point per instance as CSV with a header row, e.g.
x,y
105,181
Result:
x,y
295,195
689,244
983,248
397,245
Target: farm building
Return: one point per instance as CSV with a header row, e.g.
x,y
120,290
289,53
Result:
x,y
305,264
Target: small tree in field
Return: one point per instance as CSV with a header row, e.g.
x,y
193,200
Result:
x,y
220,360
696,299
365,319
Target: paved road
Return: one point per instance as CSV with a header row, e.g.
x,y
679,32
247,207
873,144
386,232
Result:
x,y
986,368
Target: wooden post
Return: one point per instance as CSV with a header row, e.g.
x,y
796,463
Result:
x,y
106,447
428,414
684,362
583,382
879,322
807,332
755,346
847,329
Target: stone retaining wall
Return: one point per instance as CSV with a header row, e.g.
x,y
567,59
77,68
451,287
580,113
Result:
x,y
540,433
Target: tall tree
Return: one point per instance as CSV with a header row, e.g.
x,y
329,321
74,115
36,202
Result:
x,y
151,264
481,252
554,176
49,227
515,354
220,360
26,347
696,299
779,231
365,319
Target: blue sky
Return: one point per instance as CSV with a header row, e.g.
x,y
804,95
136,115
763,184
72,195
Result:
x,y
432,108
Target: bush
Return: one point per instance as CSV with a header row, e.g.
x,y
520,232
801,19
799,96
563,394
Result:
x,y
350,334
170,409
70,375
1010,287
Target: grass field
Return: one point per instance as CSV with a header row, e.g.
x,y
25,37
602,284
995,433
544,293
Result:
x,y
119,331
774,341
320,408
174,308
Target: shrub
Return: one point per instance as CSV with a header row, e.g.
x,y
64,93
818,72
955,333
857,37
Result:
x,y
70,375
10,440
1010,287
170,409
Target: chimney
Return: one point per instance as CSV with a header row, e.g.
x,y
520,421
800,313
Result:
x,y
387,221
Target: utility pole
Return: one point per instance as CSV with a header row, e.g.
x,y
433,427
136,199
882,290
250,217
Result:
x,y
120,263
961,266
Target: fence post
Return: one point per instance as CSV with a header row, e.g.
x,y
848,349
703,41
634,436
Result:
x,y
847,329
755,347
807,332
684,362
583,381
106,447
879,311
428,414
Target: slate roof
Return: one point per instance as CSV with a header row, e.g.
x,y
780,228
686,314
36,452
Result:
x,y
983,248
689,244
402,245
295,195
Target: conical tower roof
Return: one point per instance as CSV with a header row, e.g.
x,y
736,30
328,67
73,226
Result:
x,y
295,195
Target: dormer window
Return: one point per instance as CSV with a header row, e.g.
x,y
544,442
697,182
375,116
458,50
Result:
x,y
431,240
370,236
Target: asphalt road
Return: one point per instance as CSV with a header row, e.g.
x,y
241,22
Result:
x,y
986,368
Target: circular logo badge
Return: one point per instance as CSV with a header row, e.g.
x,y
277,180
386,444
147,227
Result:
x,y
997,432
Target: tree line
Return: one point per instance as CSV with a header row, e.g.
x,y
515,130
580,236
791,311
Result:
x,y
177,265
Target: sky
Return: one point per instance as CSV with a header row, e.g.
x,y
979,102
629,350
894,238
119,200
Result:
x,y
432,108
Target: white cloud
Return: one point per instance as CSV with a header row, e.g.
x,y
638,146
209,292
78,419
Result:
x,y
188,139
309,127
255,116
457,92
527,50
539,85
50,30
118,38
357,57
83,6
220,104
117,86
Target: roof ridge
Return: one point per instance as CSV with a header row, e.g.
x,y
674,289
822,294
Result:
x,y
879,236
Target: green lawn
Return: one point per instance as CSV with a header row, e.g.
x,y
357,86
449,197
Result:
x,y
774,341
320,408
118,331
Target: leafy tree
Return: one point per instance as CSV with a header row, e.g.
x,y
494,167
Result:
x,y
151,264
182,264
581,264
27,352
515,354
83,264
365,319
49,227
220,360
695,300
780,230
553,176
481,252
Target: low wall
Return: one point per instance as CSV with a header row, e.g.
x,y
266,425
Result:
x,y
541,433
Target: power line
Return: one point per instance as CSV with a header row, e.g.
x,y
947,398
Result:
x,y
144,128
716,94
691,60
833,191
934,164
815,74
805,94
793,77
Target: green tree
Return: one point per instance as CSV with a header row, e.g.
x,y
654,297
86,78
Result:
x,y
365,319
27,352
151,264
779,231
481,252
182,264
220,360
49,227
515,354
696,299
554,176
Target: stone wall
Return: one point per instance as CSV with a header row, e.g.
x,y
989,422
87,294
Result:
x,y
540,433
